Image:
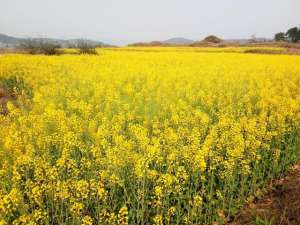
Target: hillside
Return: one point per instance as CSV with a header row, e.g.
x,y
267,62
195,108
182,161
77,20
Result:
x,y
178,41
6,40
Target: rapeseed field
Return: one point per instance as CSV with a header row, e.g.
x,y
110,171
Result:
x,y
144,137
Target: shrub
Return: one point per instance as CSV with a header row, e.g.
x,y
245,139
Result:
x,y
41,47
86,48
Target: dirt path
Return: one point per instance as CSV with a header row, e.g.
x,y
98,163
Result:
x,y
5,97
279,207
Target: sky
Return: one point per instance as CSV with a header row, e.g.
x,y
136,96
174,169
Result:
x,y
126,21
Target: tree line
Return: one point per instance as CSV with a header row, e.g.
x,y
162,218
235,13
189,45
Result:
x,y
50,48
292,35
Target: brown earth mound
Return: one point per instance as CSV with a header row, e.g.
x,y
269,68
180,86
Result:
x,y
212,39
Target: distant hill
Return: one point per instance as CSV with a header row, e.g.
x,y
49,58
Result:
x,y
170,42
10,41
6,40
148,44
178,41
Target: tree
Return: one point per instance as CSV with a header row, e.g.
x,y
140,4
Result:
x,y
280,36
293,34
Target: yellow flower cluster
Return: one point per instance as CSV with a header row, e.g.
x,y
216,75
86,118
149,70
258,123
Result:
x,y
133,136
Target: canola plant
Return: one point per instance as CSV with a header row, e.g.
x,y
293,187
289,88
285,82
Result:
x,y
145,137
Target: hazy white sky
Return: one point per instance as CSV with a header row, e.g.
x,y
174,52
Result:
x,y
123,21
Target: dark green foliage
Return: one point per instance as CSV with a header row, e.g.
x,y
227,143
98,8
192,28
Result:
x,y
293,34
280,36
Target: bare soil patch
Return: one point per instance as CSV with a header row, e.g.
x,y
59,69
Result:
x,y
292,51
13,51
5,97
281,206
